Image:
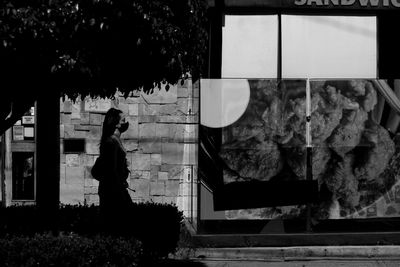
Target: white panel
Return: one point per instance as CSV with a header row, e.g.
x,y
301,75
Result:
x,y
329,47
249,47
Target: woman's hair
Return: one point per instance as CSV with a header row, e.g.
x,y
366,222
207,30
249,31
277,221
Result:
x,y
109,125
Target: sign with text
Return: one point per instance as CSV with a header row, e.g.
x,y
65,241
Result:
x,y
349,3
318,4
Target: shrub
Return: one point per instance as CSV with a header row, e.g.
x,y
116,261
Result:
x,y
157,226
68,250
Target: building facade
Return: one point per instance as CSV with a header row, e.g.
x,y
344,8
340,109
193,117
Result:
x,y
291,135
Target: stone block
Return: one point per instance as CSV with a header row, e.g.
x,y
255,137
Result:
x,y
88,175
142,187
168,167
154,172
86,160
72,160
130,145
147,131
163,175
175,172
188,106
147,118
72,194
94,133
148,110
178,119
62,173
65,118
75,121
184,133
133,99
74,175
85,118
133,109
133,130
141,175
186,189
67,108
163,130
196,92
157,188
76,110
158,199
123,107
62,131
177,153
141,162
170,109
69,132
90,190
183,92
95,119
98,105
80,127
172,188
92,147
153,146
155,159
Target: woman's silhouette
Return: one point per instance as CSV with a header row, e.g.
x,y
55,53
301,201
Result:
x,y
114,197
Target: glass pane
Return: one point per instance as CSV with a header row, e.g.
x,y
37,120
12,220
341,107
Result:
x,y
249,46
355,158
329,47
23,176
262,147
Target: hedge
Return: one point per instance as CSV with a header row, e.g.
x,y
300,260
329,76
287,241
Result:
x,y
68,250
157,226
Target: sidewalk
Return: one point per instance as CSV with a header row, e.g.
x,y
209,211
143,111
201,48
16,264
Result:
x,y
311,256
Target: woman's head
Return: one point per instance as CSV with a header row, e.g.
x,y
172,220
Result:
x,y
111,122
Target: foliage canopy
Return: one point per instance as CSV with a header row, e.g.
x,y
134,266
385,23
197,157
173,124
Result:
x,y
93,47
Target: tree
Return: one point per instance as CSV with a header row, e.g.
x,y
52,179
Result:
x,y
92,47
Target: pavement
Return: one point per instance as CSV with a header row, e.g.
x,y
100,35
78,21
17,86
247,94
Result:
x,y
311,256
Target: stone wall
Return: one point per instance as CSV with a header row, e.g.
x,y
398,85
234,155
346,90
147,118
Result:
x,y
161,145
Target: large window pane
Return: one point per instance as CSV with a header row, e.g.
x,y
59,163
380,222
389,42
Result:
x,y
329,47
249,47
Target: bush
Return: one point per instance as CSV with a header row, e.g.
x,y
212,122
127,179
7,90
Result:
x,y
157,226
68,250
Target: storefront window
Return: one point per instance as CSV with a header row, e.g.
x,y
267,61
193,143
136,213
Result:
x,y
23,175
255,166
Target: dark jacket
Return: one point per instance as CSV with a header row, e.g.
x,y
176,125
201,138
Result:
x,y
112,189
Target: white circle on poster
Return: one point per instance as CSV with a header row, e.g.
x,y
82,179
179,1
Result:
x,y
223,101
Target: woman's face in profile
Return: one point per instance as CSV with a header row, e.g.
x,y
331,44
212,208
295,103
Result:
x,y
122,119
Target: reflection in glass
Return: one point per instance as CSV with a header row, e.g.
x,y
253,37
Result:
x,y
267,143
355,159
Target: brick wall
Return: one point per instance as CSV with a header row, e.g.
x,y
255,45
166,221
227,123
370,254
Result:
x,y
161,145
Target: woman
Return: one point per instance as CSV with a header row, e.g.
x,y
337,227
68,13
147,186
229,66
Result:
x,y
114,197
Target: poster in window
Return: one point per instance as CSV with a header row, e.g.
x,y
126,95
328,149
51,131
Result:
x,y
18,133
28,120
29,132
255,158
